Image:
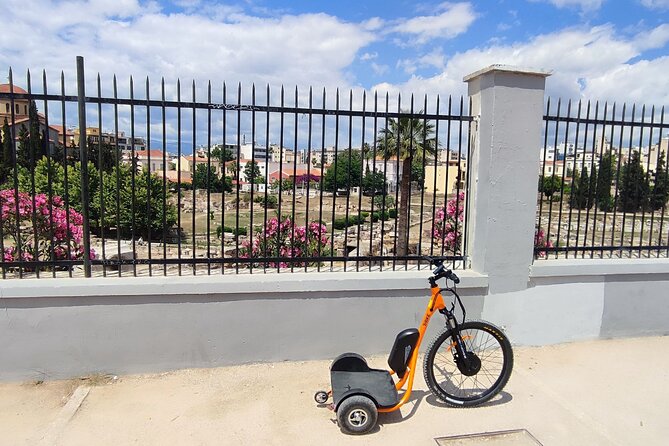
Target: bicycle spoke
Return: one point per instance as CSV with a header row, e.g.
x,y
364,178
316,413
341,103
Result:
x,y
488,350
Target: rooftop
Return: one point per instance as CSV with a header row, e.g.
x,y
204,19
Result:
x,y
6,88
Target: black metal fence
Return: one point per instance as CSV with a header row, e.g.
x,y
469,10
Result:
x,y
604,186
226,180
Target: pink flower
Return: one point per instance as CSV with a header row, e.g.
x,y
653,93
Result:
x,y
8,254
540,241
45,225
446,228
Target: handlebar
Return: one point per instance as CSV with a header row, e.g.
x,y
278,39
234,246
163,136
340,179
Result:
x,y
440,272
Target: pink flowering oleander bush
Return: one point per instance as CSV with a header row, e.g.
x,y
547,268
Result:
x,y
541,241
282,238
45,228
448,224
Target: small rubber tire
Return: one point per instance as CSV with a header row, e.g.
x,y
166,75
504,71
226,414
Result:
x,y
447,393
357,415
321,397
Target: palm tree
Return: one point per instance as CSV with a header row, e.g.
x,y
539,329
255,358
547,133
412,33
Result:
x,y
407,139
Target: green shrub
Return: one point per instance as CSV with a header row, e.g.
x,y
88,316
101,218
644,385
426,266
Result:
x,y
240,231
607,204
339,223
343,223
235,231
378,215
269,201
378,201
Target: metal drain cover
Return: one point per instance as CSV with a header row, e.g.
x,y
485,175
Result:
x,y
518,437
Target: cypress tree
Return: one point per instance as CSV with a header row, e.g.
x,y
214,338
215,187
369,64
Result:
x,y
604,178
592,186
573,191
635,187
23,148
37,149
660,193
581,189
6,155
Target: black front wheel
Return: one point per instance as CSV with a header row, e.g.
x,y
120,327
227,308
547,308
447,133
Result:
x,y
357,415
464,382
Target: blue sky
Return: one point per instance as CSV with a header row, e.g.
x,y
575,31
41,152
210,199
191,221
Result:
x,y
492,23
597,49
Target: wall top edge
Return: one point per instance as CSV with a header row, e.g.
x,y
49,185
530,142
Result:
x,y
598,267
507,69
228,284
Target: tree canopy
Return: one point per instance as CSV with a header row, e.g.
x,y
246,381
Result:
x,y
345,172
634,188
206,178
407,139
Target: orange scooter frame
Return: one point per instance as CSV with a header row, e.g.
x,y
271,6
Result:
x,y
436,303
359,392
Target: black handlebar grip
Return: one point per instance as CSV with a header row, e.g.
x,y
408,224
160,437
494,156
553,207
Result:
x,y
454,278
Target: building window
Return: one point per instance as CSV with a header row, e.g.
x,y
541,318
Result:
x,y
7,107
17,109
25,109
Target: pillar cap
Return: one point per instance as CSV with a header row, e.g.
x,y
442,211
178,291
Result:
x,y
508,69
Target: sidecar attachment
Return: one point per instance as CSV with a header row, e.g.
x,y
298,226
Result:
x,y
350,375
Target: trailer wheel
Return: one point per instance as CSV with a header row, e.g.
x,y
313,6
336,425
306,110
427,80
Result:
x,y
357,415
321,397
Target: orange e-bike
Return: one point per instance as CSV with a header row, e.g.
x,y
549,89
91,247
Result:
x,y
467,364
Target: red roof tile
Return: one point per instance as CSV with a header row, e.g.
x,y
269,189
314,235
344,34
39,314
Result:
x,y
4,88
146,153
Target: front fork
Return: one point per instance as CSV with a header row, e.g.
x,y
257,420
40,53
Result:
x,y
459,344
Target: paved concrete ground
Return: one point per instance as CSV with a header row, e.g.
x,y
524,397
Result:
x,y
590,393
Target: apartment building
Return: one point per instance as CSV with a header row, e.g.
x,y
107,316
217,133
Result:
x,y
125,143
323,157
18,115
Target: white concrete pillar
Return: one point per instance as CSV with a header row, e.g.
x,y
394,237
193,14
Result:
x,y
507,103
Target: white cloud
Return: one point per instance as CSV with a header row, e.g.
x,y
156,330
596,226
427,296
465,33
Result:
x,y
433,59
455,20
584,5
409,66
379,69
594,63
187,3
511,22
373,24
643,82
124,38
656,4
655,38
120,37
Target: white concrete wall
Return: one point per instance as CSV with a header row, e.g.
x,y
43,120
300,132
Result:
x,y
61,328
507,103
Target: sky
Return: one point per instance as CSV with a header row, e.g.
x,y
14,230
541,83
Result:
x,y
615,50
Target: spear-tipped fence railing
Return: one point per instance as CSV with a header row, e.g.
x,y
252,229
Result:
x,y
603,187
249,183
